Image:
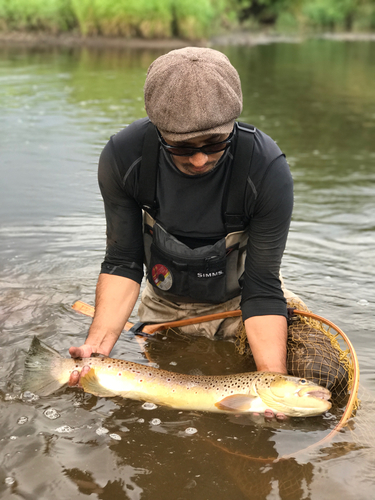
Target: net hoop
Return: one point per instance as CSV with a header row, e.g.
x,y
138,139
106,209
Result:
x,y
353,388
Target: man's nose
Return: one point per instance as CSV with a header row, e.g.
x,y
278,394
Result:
x,y
199,159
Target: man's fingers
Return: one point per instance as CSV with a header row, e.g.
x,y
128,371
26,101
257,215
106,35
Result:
x,y
84,371
76,375
74,378
270,415
280,417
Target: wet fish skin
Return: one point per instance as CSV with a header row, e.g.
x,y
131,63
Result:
x,y
46,371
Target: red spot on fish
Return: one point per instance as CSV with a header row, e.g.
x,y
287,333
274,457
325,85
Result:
x,y
119,374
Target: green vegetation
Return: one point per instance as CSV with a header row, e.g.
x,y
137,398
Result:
x,y
183,18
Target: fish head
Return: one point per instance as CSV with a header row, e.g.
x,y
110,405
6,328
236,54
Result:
x,y
293,396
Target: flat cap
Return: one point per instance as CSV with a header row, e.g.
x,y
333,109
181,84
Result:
x,y
191,92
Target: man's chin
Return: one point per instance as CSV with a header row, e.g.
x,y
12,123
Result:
x,y
191,170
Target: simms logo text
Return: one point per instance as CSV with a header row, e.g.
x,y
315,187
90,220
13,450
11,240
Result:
x,y
210,275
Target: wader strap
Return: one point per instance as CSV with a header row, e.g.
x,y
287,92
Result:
x,y
149,171
234,214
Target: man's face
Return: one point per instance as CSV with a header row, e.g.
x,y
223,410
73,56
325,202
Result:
x,y
198,163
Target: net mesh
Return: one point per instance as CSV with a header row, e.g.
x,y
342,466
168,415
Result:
x,y
314,352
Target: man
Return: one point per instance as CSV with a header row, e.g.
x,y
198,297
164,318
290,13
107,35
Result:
x,y
193,245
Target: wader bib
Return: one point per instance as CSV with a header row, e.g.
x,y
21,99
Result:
x,y
211,273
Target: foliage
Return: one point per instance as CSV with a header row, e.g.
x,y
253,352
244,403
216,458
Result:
x,y
332,13
182,18
48,15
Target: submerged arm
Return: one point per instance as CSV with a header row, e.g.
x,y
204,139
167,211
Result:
x,y
267,336
115,299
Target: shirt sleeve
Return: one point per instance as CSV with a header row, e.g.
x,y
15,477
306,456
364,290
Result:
x,y
124,251
269,226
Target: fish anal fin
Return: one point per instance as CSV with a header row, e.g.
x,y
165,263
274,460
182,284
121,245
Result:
x,y
236,403
91,384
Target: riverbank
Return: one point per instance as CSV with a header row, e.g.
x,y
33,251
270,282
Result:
x,y
238,39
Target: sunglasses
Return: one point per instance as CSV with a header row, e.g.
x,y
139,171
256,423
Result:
x,y
209,149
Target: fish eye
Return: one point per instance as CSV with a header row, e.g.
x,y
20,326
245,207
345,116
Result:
x,y
303,381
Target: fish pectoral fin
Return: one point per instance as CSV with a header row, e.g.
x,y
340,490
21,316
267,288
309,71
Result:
x,y
91,384
236,402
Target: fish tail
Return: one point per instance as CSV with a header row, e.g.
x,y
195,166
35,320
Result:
x,y
38,375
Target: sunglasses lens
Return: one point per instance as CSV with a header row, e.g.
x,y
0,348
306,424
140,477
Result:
x,y
181,151
215,148
210,149
186,151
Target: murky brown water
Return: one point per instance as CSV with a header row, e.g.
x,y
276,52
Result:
x,y
58,108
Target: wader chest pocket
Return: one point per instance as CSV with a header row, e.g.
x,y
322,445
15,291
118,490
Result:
x,y
199,273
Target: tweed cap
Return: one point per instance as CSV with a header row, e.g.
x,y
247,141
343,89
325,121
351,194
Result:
x,y
191,92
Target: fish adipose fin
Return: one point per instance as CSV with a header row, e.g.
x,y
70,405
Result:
x,y
37,375
91,384
236,403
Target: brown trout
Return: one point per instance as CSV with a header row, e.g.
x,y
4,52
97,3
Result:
x,y
46,371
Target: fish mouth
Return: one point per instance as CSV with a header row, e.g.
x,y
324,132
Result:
x,y
320,394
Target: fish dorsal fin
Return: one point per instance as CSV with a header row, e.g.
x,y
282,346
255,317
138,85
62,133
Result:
x,y
236,402
91,384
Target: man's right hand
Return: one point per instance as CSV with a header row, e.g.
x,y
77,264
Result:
x,y
115,299
84,351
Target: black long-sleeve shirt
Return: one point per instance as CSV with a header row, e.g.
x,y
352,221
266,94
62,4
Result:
x,y
191,208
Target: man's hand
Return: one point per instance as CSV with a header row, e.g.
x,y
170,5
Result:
x,y
84,351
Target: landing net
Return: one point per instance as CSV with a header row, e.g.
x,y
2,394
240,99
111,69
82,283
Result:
x,y
319,351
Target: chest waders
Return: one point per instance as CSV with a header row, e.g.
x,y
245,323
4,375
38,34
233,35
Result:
x,y
211,273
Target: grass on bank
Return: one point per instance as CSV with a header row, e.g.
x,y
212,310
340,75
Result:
x,y
186,19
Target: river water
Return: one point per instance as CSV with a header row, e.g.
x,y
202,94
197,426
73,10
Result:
x,y
58,107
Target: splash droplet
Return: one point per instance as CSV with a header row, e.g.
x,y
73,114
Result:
x,y
115,436
51,413
29,397
9,480
64,429
155,421
149,406
101,431
363,302
9,397
191,430
22,420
